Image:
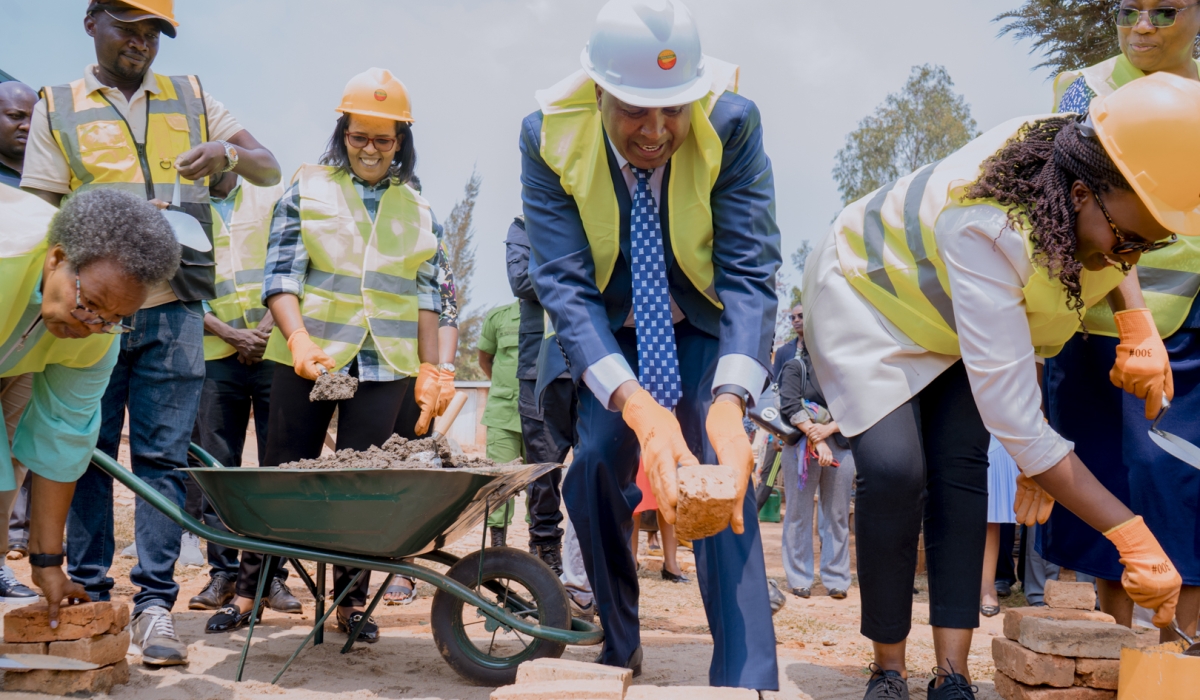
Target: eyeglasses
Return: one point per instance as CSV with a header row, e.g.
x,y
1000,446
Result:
x,y
796,317
1126,243
1159,17
382,143
93,317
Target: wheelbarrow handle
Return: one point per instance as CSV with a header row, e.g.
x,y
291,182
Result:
x,y
205,458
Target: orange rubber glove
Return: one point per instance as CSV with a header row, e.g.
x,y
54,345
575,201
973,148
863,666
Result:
x,y
307,356
732,445
1032,504
446,390
663,448
1150,578
426,390
1142,368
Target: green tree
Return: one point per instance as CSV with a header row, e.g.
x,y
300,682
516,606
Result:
x,y
924,122
783,325
459,237
1070,34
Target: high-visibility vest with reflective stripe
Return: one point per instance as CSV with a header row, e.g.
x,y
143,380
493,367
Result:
x,y
362,275
573,146
240,250
1170,277
101,151
889,252
24,224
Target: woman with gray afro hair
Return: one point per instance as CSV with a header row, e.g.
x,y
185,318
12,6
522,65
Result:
x,y
64,297
106,224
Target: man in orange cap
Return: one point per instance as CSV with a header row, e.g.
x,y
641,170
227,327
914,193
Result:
x,y
160,137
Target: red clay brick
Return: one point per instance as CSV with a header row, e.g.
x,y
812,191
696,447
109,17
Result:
x,y
101,650
1013,617
1078,638
1097,673
562,690
1070,596
547,670
706,498
100,680
1030,667
1009,689
16,648
32,622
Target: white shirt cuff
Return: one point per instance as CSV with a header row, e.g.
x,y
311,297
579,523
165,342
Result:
x,y
743,371
605,375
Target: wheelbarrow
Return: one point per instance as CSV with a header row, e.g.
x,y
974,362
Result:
x,y
494,608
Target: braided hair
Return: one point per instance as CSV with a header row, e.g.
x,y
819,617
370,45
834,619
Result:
x,y
1032,176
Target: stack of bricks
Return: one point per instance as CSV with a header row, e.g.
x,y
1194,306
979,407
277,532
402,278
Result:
x,y
1064,651
91,632
561,679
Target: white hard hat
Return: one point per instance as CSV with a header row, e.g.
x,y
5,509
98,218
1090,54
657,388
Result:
x,y
647,53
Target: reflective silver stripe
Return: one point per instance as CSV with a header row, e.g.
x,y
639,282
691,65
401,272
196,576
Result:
x,y
340,332
225,288
387,328
256,314
873,234
254,276
927,277
391,284
1175,282
332,282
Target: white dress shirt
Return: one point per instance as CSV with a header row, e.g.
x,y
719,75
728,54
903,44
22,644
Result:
x,y
868,367
608,373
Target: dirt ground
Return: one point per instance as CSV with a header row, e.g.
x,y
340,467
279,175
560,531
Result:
x,y
821,654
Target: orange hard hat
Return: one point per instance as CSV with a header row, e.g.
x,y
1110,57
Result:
x,y
376,93
138,10
1151,131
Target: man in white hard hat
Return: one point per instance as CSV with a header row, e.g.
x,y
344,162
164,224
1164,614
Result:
x,y
651,125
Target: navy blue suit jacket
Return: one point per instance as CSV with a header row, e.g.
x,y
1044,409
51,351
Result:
x,y
745,248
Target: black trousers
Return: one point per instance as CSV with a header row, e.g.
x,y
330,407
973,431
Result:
x,y
548,438
925,462
297,431
406,419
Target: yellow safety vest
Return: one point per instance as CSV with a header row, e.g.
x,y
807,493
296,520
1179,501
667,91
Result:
x,y
573,146
362,274
24,224
1170,277
240,250
889,253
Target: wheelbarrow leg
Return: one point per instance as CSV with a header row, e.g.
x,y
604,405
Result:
x,y
263,574
317,594
319,612
370,609
321,622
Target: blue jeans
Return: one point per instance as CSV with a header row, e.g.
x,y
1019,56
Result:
x,y
158,378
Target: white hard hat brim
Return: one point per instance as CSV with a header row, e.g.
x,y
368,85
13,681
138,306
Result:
x,y
650,97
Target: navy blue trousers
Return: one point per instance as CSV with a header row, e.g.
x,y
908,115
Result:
x,y
600,494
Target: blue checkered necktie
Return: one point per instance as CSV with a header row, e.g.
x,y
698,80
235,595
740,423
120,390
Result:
x,y
658,362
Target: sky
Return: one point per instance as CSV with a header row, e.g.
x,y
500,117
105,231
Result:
x,y
815,69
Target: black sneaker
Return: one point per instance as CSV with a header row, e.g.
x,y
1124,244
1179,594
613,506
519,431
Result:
x,y
886,685
217,593
499,536
550,554
954,686
12,590
281,599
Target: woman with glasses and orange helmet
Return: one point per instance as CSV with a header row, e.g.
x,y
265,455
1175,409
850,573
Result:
x,y
351,279
64,298
927,306
1108,426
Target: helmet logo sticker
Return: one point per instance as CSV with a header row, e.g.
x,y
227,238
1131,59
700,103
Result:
x,y
666,59
381,95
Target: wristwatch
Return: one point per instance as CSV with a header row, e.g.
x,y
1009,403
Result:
x,y
736,390
447,367
46,561
231,155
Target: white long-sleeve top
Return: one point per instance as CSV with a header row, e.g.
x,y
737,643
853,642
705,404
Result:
x,y
868,367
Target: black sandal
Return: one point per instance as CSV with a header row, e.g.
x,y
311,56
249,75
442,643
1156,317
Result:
x,y
228,619
989,610
369,632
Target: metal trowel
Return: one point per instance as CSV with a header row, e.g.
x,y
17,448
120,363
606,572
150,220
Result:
x,y
1193,645
33,662
188,230
1174,445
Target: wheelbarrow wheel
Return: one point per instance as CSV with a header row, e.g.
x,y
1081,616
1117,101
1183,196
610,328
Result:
x,y
481,649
